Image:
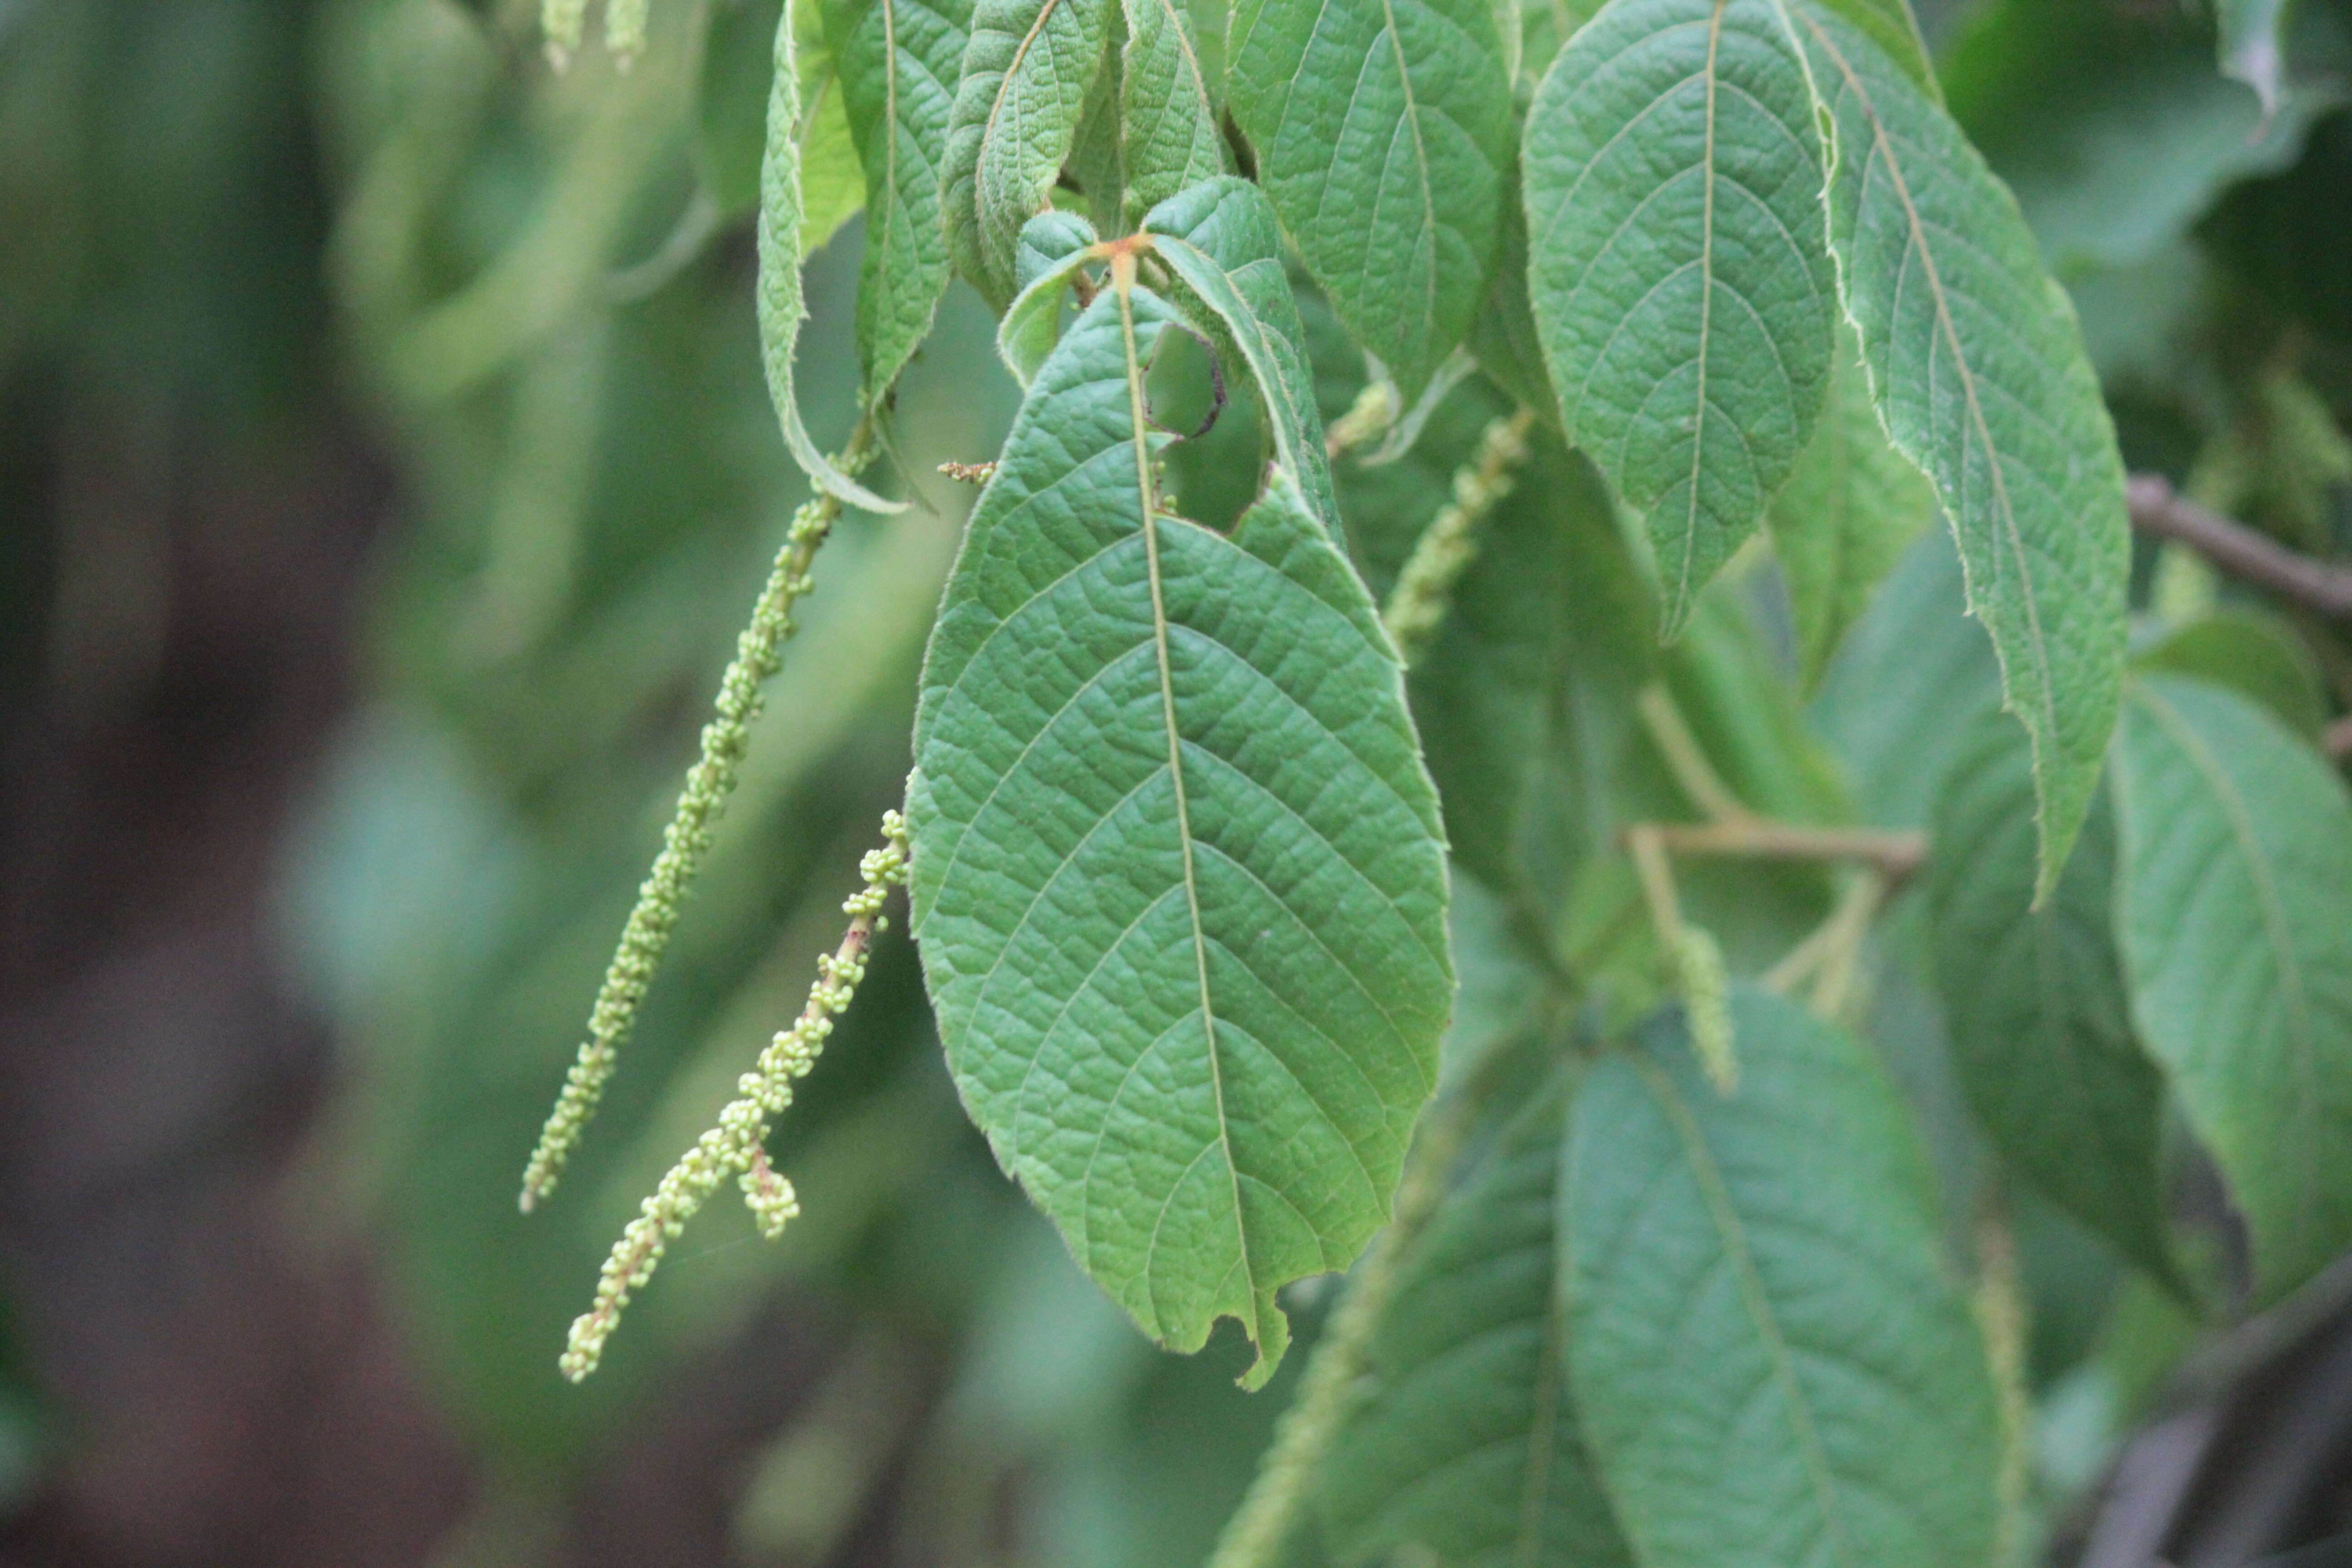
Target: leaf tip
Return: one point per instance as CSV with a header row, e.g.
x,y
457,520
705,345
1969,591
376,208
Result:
x,y
1270,1332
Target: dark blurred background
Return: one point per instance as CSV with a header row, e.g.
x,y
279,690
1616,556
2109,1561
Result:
x,y
384,471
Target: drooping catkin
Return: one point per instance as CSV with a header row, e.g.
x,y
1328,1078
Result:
x,y
759,653
1699,969
624,28
1424,589
562,23
737,1144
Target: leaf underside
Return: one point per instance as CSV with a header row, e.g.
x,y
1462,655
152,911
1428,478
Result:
x,y
1771,1365
2236,848
1977,364
1027,68
1678,268
1176,866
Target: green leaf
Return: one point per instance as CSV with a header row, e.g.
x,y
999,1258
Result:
x,y
1892,26
898,62
1527,690
1851,507
780,307
1677,267
1770,1361
1094,163
832,183
1898,695
1221,239
1177,870
1382,130
1465,1444
2254,655
1027,68
2041,1026
1167,111
1977,366
2236,855
1503,337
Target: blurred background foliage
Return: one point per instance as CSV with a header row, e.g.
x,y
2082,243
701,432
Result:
x,y
384,469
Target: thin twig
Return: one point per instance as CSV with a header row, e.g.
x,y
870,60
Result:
x,y
2157,508
1685,758
1895,853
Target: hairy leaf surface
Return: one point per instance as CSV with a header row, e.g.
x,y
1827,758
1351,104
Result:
x,y
2041,1028
1027,68
1977,362
2236,852
1382,130
1770,1364
897,61
1466,1444
1167,108
1177,868
1678,268
780,305
1851,507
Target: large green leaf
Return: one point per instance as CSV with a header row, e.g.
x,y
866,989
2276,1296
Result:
x,y
2232,907
1177,870
1770,1363
1466,1443
1027,68
778,304
1167,108
1678,268
1382,130
2041,1028
1847,513
1977,366
897,61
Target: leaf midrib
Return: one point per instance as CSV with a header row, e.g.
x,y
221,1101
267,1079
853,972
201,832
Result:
x,y
1705,315
1123,282
1754,1297
2303,1049
1884,147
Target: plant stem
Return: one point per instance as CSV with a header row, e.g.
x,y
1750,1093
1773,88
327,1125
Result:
x,y
1685,758
1895,853
2238,549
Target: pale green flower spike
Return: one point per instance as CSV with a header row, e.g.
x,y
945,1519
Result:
x,y
737,1144
1698,963
1424,589
562,22
759,653
624,28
